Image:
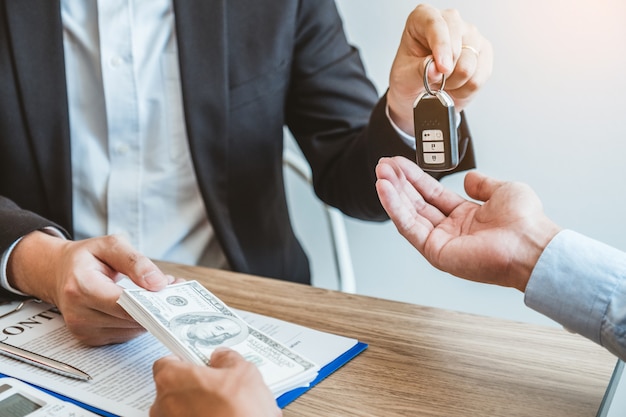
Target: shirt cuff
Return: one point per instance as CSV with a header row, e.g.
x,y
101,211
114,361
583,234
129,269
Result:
x,y
408,139
4,280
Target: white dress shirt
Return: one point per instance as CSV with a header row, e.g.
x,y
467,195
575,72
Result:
x,y
132,172
131,166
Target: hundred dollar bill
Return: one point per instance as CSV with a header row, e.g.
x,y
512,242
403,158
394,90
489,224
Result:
x,y
191,321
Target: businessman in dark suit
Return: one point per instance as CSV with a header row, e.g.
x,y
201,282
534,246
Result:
x,y
89,89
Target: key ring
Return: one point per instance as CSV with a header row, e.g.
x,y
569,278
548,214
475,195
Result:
x,y
427,84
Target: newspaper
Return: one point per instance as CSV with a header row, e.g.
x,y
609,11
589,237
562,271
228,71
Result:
x,y
191,321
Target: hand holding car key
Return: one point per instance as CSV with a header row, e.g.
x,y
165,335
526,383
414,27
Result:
x,y
435,128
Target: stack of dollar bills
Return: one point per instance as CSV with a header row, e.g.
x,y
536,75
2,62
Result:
x,y
191,322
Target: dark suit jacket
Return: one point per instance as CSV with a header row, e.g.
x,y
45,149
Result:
x,y
248,68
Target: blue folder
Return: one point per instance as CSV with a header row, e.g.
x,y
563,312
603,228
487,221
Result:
x,y
289,396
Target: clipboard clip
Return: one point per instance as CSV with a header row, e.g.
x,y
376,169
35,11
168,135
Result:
x,y
19,306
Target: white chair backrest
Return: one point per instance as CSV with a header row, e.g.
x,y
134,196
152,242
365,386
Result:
x,y
336,226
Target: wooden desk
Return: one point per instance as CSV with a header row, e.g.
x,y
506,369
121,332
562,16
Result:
x,y
424,361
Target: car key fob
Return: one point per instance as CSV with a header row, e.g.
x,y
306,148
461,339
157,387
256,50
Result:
x,y
434,117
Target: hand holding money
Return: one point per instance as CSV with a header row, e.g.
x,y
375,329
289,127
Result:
x,y
192,322
231,386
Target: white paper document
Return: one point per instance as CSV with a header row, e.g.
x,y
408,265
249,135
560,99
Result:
x,y
122,374
122,381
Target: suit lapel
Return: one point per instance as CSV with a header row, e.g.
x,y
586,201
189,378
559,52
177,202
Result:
x,y
202,49
37,47
201,33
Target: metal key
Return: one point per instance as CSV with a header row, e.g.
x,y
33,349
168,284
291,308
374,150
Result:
x,y
434,119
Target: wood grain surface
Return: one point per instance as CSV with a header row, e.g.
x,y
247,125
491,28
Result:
x,y
424,361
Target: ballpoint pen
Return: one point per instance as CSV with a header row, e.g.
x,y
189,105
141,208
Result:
x,y
42,361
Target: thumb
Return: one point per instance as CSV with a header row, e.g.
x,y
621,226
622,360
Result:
x,y
118,253
225,358
481,187
164,362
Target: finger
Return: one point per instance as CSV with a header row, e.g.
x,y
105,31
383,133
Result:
x,y
464,80
88,290
119,254
225,358
481,187
114,325
414,228
413,217
414,195
91,297
406,197
484,67
178,280
109,336
170,359
473,59
109,329
99,293
472,69
166,373
456,29
164,362
430,28
430,189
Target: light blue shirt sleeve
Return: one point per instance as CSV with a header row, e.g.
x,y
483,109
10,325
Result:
x,y
581,283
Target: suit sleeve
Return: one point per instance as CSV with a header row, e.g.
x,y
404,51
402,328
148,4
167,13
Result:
x,y
17,223
337,117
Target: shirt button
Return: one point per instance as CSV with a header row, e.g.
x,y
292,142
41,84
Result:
x,y
121,148
116,61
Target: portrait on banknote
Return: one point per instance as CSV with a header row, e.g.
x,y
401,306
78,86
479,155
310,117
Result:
x,y
207,330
